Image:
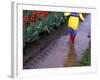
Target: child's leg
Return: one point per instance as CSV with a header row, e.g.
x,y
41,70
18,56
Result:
x,y
73,36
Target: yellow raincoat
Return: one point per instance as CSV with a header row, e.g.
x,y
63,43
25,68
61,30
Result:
x,y
73,21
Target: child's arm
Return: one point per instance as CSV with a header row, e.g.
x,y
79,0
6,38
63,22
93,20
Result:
x,y
81,16
67,13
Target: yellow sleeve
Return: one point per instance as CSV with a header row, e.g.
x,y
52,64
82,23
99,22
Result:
x,y
67,13
81,16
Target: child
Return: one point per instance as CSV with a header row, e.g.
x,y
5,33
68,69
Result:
x,y
73,23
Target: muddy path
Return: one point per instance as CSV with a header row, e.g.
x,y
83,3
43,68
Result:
x,y
58,53
42,46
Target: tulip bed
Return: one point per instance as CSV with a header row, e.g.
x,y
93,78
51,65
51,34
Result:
x,y
36,22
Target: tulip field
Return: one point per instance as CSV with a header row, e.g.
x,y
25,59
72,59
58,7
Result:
x,y
36,22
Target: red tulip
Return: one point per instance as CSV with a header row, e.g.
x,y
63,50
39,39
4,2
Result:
x,y
32,17
25,18
35,19
44,14
38,13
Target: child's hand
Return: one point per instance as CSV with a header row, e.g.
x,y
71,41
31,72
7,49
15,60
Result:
x,y
66,13
83,19
81,16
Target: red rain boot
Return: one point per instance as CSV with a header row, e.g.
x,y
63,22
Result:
x,y
73,39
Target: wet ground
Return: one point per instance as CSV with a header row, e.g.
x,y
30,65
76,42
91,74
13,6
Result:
x,y
60,54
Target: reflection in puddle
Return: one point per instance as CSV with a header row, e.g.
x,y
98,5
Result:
x,y
71,58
